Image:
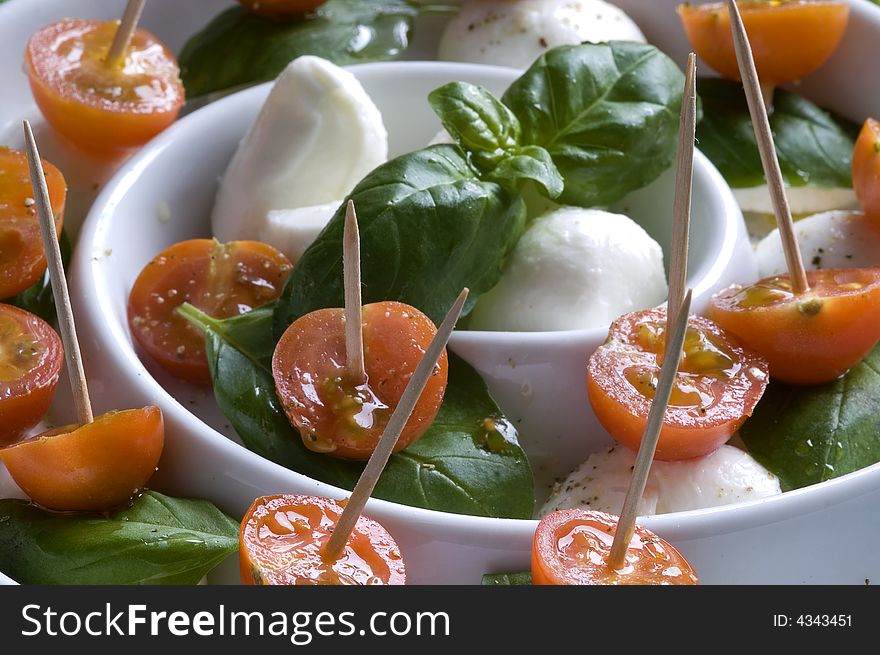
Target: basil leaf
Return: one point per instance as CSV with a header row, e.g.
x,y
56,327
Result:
x,y
607,113
158,540
491,579
429,226
38,299
468,462
486,129
813,147
239,48
807,435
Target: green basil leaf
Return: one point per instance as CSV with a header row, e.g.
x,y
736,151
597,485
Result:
x,y
807,435
239,48
429,226
491,579
813,147
607,113
38,299
157,540
478,121
529,163
468,462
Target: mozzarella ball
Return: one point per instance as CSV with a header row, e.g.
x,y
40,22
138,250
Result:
x,y
727,475
836,239
516,32
293,230
574,269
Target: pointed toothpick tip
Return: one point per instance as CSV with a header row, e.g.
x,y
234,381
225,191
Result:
x,y
376,464
60,292
351,264
627,522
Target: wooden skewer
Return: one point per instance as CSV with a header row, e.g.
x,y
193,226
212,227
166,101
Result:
x,y
124,32
351,264
681,208
376,464
626,524
766,147
72,355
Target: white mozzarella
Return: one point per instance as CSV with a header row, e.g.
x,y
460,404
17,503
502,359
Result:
x,y
293,230
836,239
516,32
574,269
727,475
317,135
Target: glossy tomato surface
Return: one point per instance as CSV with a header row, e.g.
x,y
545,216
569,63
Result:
x,y
221,279
571,547
809,338
22,260
100,107
31,357
346,418
718,384
94,467
789,38
866,169
282,538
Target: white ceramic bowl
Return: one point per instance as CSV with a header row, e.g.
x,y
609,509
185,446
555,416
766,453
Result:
x,y
538,378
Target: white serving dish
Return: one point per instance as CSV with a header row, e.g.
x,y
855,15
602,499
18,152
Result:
x,y
793,538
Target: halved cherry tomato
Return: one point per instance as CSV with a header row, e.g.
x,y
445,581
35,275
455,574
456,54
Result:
x,y
22,261
571,547
102,108
31,356
343,417
717,386
282,537
281,8
92,467
221,279
809,338
790,38
866,169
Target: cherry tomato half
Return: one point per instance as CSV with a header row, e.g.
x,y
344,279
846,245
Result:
x,y
221,279
866,169
281,8
102,108
810,338
282,537
31,356
789,38
22,260
344,418
571,547
93,467
717,386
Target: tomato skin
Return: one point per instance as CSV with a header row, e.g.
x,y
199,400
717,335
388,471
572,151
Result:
x,y
25,395
64,62
310,359
282,536
571,547
866,169
22,260
789,39
807,341
281,8
725,394
93,467
223,280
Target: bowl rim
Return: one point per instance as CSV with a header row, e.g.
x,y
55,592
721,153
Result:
x,y
92,301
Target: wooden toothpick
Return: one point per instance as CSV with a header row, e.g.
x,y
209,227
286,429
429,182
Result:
x,y
72,355
626,524
351,265
376,464
124,32
681,208
766,147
